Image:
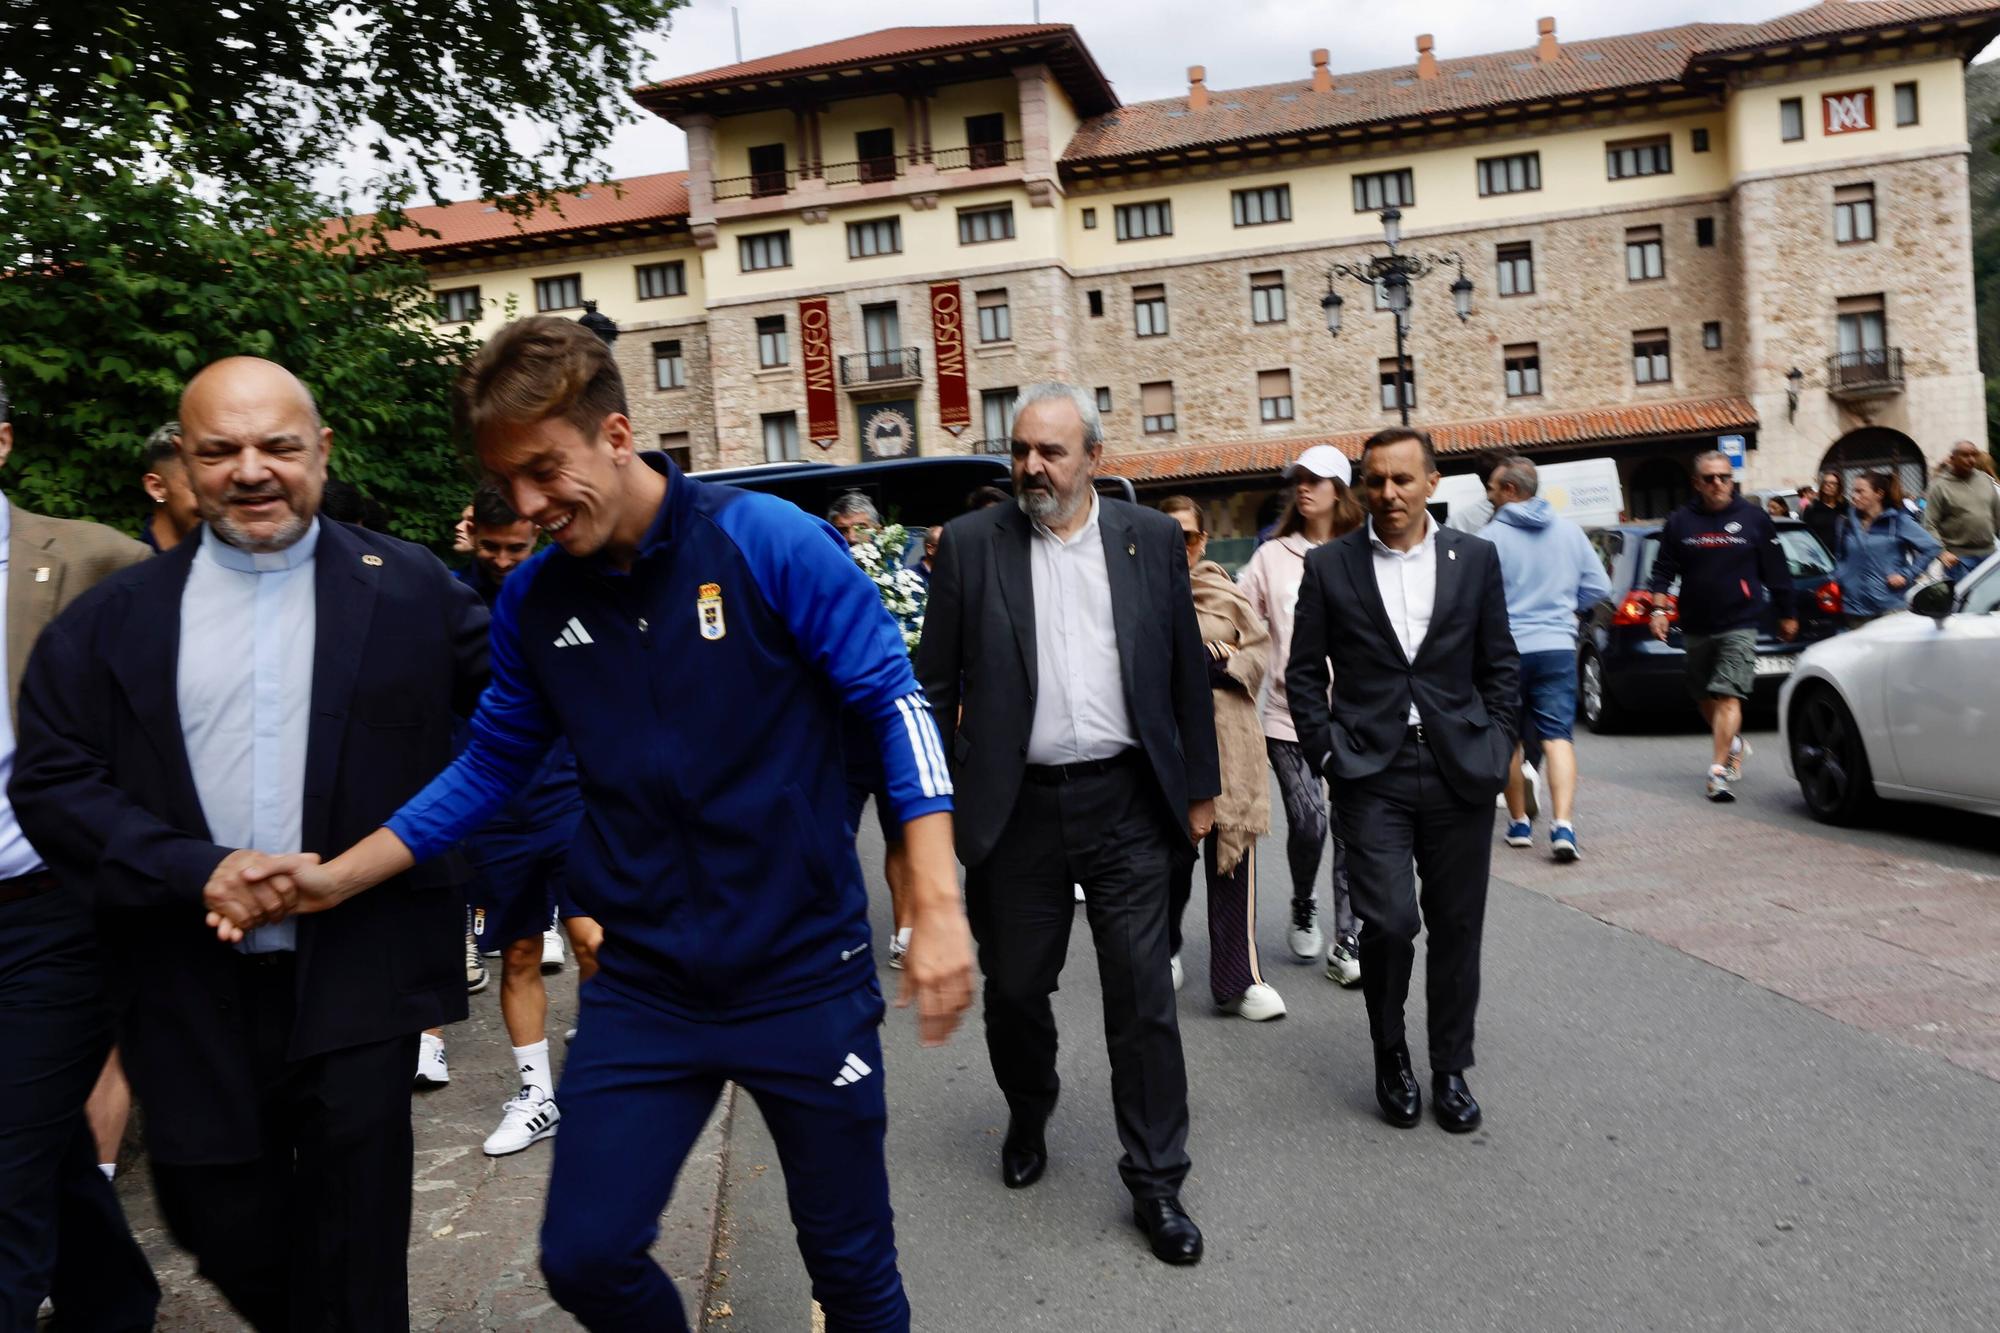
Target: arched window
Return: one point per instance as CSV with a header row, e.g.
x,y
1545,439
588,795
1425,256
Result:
x,y
1877,449
1659,486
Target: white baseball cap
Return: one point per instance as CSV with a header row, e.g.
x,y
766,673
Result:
x,y
1322,460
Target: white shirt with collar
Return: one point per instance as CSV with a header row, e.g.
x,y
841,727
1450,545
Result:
x,y
249,624
1080,710
1408,582
17,857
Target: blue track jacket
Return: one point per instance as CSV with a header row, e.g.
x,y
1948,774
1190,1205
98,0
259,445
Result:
x,y
702,693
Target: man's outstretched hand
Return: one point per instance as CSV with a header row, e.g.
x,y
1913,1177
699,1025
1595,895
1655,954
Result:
x,y
251,889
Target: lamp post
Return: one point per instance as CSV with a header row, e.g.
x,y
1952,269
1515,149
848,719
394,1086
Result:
x,y
1392,274
600,324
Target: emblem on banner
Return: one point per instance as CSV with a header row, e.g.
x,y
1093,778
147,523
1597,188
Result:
x,y
708,608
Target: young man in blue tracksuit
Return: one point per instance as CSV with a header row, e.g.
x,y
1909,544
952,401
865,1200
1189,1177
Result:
x,y
697,646
1551,573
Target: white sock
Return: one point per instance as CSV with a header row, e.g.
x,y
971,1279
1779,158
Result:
x,y
533,1062
1564,823
110,1170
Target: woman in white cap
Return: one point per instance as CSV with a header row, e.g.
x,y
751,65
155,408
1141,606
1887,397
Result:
x,y
1320,508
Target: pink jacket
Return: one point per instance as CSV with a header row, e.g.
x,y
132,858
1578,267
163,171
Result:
x,y
1271,583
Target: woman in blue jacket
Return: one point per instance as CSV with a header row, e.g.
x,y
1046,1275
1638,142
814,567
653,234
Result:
x,y
1880,550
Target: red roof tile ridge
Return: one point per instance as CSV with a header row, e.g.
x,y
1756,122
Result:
x,y
882,43
657,196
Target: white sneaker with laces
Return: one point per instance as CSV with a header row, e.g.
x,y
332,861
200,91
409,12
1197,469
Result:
x,y
899,944
552,950
1739,750
432,1072
529,1117
1303,935
1343,962
1258,1004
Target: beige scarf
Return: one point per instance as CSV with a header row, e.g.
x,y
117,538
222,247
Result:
x,y
1230,629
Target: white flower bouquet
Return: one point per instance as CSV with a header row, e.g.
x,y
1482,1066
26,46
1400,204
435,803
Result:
x,y
901,588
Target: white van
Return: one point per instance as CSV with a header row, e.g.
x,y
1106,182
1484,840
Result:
x,y
1586,491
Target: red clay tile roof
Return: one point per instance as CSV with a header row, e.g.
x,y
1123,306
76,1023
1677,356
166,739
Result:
x,y
622,203
1595,426
1636,61
883,44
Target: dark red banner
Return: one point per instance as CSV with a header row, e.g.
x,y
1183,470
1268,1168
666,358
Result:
x,y
816,355
948,336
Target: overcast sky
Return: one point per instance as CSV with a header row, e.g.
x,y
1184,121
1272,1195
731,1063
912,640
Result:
x,y
1145,46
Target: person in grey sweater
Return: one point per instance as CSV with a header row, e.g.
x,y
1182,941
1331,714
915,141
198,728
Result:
x,y
1962,510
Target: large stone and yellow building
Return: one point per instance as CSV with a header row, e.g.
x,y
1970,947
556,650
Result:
x,y
1720,229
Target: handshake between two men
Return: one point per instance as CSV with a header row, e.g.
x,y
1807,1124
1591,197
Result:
x,y
251,889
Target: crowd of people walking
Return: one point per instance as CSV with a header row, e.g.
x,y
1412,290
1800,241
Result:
x,y
274,779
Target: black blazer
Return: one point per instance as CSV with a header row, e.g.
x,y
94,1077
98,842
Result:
x,y
978,655
1465,680
104,790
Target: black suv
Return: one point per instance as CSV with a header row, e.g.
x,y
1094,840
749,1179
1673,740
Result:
x,y
916,492
1623,671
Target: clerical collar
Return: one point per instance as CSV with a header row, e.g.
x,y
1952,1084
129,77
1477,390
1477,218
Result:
x,y
260,562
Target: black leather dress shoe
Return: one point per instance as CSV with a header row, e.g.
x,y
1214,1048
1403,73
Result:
x,y
1396,1088
1024,1153
1452,1102
1174,1236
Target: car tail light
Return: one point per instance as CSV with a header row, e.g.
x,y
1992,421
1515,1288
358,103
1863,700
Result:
x,y
1827,595
1637,608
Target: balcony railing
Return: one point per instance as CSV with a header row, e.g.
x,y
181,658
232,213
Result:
x,y
766,184
1000,448
891,365
1865,374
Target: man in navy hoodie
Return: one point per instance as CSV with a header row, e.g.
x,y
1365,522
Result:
x,y
697,646
1551,572
1725,552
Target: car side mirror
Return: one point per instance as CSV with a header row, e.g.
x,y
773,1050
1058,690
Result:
x,y
1936,600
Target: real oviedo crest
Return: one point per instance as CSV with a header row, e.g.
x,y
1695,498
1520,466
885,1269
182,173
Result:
x,y
708,610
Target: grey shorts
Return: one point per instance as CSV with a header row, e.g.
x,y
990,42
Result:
x,y
1721,665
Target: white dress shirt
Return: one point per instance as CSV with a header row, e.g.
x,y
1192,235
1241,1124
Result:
x,y
1408,583
17,858
248,627
1080,711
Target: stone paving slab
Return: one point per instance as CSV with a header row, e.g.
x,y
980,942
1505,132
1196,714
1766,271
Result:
x,y
1901,946
475,1219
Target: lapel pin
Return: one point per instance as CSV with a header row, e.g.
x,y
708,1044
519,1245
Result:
x,y
371,559
1451,555
41,573
1131,548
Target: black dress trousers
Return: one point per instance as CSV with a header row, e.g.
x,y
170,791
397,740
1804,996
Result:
x,y
1107,832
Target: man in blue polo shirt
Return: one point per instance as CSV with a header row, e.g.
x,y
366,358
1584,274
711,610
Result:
x,y
697,646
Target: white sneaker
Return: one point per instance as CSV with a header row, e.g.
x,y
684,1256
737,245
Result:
x,y
475,971
1303,935
1529,779
1739,750
529,1118
1343,961
569,1036
899,944
552,950
1177,971
1079,891
432,1072
1258,1004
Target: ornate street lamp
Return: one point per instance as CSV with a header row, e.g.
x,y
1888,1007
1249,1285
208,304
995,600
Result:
x,y
599,324
1391,275
1795,380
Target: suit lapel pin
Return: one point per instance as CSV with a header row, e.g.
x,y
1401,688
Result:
x,y
41,573
1451,555
1131,548
371,559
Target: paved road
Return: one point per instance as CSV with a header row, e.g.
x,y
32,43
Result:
x,y
1669,1143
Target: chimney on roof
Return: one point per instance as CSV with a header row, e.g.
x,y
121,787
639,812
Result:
x,y
1427,61
1545,41
1322,77
1197,88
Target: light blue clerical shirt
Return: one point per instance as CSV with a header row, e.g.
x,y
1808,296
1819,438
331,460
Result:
x,y
17,858
248,626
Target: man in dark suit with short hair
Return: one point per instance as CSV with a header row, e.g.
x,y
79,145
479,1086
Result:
x,y
1065,667
278,685
1415,738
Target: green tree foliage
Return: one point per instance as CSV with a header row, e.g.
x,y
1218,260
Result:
x,y
517,95
127,274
